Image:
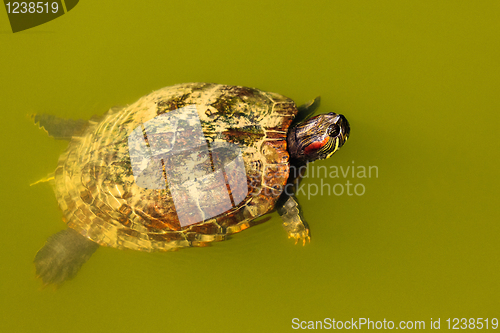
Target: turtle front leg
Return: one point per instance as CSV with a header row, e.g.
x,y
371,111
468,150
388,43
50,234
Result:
x,y
293,221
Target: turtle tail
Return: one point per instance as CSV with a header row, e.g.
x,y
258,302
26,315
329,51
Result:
x,y
62,256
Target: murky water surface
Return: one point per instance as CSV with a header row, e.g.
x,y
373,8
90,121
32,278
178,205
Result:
x,y
404,218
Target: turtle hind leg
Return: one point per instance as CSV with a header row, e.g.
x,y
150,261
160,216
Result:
x,y
60,128
62,256
293,221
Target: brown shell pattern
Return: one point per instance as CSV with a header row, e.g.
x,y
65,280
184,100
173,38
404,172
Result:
x,y
99,196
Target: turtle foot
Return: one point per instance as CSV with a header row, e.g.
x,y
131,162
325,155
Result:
x,y
59,128
62,256
303,235
295,225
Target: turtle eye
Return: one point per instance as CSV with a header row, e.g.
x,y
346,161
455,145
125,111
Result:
x,y
333,130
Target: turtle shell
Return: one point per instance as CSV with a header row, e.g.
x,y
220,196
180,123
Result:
x,y
182,166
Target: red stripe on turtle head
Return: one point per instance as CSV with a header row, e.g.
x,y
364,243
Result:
x,y
318,137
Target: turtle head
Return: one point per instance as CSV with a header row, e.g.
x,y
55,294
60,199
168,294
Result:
x,y
318,137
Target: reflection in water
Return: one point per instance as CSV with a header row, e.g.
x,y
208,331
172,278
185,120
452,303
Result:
x,y
171,152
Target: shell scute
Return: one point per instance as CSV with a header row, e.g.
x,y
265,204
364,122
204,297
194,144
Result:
x,y
274,153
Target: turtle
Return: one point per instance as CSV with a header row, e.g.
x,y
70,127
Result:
x,y
184,166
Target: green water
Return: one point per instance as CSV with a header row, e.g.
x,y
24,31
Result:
x,y
419,83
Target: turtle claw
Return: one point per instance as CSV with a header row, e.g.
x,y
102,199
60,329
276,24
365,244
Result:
x,y
300,235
